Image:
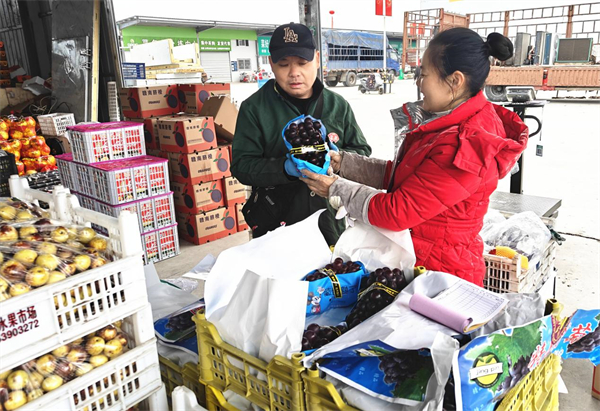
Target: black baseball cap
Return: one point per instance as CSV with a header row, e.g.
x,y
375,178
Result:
x,y
292,39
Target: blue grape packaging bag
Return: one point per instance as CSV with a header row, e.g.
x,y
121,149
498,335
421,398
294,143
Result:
x,y
382,371
333,290
490,366
307,147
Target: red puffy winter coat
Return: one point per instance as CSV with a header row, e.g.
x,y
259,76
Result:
x,y
440,189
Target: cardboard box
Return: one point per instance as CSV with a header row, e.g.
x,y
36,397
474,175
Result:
x,y
241,220
206,227
193,96
235,192
147,102
196,198
200,167
224,112
186,134
151,133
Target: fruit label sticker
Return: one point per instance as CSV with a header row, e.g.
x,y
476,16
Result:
x,y
490,366
335,283
19,325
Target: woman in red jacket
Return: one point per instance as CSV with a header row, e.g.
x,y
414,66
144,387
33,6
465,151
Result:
x,y
457,146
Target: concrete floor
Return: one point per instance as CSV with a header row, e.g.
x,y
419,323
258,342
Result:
x,y
569,170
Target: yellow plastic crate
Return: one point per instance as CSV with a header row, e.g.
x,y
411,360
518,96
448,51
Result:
x,y
276,386
174,375
215,401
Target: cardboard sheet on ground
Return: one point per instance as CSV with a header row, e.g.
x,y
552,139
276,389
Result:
x,y
253,293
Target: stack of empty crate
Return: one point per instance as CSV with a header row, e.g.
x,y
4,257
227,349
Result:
x,y
109,172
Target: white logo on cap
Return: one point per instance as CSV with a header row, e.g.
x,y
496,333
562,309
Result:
x,y
290,36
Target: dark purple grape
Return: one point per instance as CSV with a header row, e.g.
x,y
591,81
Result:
x,y
317,125
313,327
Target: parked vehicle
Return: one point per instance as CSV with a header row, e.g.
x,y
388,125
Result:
x,y
370,82
346,54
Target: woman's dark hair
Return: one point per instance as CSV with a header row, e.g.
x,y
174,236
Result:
x,y
462,49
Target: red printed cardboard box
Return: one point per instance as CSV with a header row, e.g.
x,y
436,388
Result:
x,y
200,167
193,96
235,192
186,134
149,101
241,220
209,226
196,198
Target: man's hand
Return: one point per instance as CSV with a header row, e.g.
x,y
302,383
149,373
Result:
x,y
336,161
290,167
318,183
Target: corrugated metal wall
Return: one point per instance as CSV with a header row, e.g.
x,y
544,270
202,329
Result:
x,y
11,33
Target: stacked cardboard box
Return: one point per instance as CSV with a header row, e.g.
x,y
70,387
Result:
x,y
4,72
195,141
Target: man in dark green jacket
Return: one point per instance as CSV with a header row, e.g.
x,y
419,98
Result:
x,y
259,153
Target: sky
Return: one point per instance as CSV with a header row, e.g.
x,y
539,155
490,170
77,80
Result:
x,y
349,14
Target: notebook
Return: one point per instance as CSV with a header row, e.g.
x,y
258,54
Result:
x,y
463,307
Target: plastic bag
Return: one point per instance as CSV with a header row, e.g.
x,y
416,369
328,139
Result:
x,y
334,286
525,233
35,252
305,138
48,372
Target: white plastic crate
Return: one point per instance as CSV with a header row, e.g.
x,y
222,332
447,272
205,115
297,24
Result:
x,y
119,182
117,385
161,244
153,213
56,124
93,143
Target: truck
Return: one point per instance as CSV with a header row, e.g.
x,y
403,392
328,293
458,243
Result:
x,y
348,54
555,48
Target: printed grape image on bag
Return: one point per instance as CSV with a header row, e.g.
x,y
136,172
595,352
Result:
x,y
382,370
305,138
334,286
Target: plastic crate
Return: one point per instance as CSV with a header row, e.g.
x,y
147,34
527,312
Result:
x,y
505,275
187,375
160,244
153,213
93,143
117,385
66,171
215,401
7,168
56,124
276,385
118,182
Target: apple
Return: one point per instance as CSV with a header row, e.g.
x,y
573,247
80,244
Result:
x,y
26,257
8,213
98,262
64,369
98,243
108,333
64,253
56,276
77,355
30,172
113,348
60,235
16,399
46,153
46,364
13,270
34,394
33,153
4,296
35,379
48,261
83,369
85,235
17,380
82,262
18,289
20,167
68,269
8,233
98,360
4,375
37,276
3,288
61,351
51,383
47,248
37,141
122,338
95,346
27,231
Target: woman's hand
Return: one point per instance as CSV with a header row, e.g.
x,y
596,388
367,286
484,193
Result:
x,y
318,183
336,161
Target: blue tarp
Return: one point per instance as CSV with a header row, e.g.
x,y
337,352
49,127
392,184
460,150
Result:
x,y
353,38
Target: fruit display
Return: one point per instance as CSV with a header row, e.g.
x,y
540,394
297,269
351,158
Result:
x,y
32,154
378,291
316,336
52,370
34,251
334,286
305,137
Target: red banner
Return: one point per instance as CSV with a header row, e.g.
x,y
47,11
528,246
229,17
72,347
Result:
x,y
379,7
